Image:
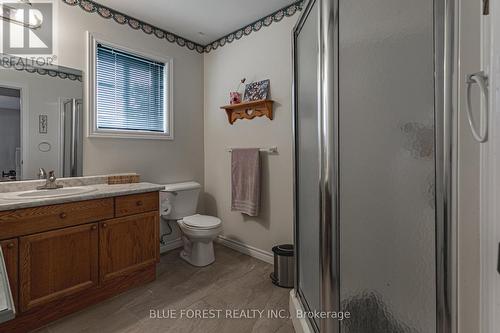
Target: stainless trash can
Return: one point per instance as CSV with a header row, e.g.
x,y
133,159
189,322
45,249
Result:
x,y
284,266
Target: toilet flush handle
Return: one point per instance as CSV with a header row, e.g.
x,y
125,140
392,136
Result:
x,y
167,203
168,208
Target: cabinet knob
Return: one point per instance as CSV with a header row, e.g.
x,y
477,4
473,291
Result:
x,y
63,215
10,245
94,227
139,203
104,225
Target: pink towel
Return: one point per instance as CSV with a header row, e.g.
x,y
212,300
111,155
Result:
x,y
245,181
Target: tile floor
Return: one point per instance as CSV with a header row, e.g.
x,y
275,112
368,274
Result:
x,y
234,282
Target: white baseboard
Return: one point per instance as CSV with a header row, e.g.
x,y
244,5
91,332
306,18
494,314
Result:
x,y
301,325
246,249
173,244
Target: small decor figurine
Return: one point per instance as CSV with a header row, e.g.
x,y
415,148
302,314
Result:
x,y
235,96
257,90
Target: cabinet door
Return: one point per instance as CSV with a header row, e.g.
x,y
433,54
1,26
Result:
x,y
127,244
10,254
57,264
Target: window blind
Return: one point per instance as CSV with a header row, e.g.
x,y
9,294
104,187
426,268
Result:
x,y
130,91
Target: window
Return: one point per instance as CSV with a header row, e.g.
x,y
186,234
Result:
x,y
130,93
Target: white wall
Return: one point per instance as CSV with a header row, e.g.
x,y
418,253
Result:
x,y
262,55
158,161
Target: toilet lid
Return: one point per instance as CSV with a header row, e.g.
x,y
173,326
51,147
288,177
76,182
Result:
x,y
201,221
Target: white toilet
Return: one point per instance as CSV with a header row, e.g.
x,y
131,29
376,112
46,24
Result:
x,y
178,202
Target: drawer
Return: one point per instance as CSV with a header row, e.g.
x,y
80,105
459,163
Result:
x,y
33,220
136,204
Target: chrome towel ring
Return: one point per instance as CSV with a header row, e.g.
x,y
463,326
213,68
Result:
x,y
482,81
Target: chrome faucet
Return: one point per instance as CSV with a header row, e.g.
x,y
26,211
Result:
x,y
50,183
42,174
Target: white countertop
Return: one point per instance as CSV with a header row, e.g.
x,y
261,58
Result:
x,y
101,191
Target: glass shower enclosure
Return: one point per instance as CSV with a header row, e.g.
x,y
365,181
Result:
x,y
72,138
373,95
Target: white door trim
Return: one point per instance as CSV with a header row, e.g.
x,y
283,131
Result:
x,y
490,176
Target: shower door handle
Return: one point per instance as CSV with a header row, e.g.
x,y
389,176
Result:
x,y
498,259
481,79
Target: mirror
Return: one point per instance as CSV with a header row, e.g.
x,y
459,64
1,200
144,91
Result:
x,y
41,121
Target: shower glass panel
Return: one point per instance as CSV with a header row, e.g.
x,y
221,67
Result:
x,y
72,120
387,165
373,114
307,161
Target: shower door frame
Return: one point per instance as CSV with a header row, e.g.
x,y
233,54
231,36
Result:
x,y
329,237
306,10
445,106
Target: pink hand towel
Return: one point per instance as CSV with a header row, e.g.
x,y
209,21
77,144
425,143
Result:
x,y
245,181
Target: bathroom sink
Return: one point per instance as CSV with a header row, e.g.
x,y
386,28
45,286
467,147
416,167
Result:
x,y
42,194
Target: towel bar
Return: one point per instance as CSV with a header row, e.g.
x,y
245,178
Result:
x,y
271,150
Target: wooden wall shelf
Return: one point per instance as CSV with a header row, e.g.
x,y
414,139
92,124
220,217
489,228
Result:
x,y
249,110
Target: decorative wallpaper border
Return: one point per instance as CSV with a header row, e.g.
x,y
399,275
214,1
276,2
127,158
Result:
x,y
21,66
256,26
136,24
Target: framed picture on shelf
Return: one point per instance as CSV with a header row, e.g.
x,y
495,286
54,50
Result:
x,y
257,90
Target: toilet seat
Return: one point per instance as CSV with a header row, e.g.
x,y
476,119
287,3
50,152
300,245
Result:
x,y
199,221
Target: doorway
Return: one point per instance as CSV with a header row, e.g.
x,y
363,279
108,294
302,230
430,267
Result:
x,y
10,126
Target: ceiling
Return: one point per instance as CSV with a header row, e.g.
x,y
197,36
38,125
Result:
x,y
188,18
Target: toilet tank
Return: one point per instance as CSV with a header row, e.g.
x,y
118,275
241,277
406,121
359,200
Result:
x,y
179,200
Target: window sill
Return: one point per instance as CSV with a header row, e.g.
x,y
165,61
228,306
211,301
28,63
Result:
x,y
126,135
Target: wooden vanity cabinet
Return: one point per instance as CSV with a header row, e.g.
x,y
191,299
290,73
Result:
x,y
127,244
10,252
57,263
65,257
